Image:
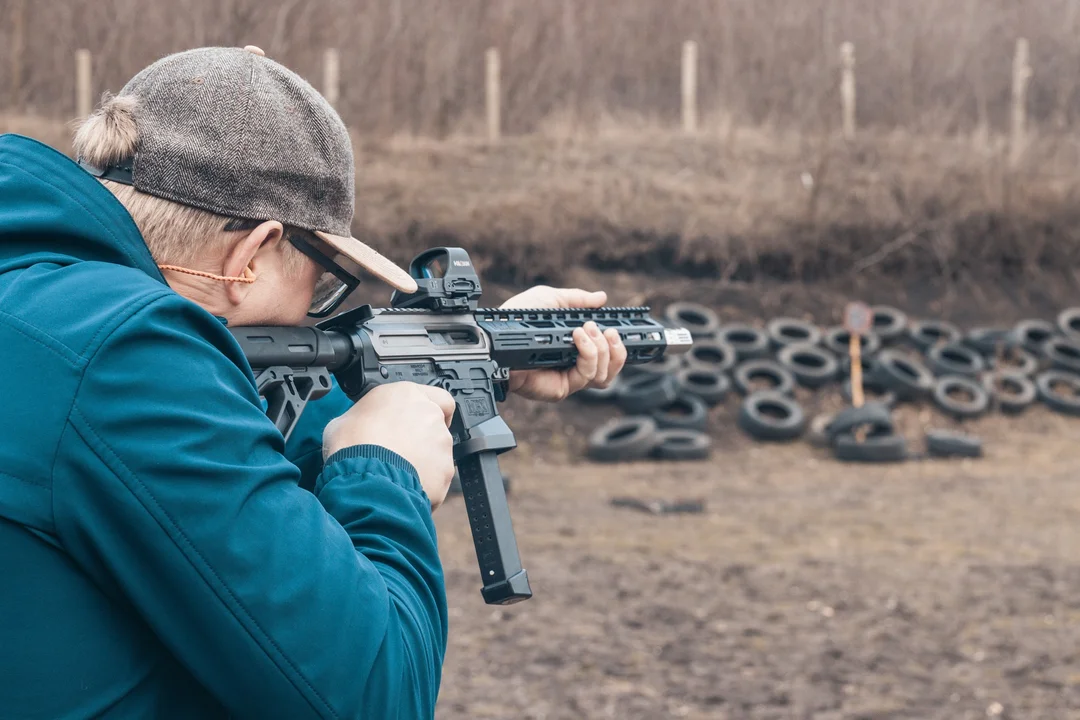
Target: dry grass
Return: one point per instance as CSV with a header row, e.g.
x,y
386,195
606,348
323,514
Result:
x,y
593,174
49,131
730,203
417,65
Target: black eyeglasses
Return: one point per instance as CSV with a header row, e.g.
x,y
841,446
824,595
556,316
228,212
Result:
x,y
334,285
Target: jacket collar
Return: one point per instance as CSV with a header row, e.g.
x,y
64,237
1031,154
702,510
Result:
x,y
53,210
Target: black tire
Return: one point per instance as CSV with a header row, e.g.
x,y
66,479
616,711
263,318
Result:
x,y
642,393
711,355
1068,323
701,321
771,417
1067,404
784,332
686,412
1010,392
985,340
665,365
750,343
876,417
924,334
704,383
1032,334
838,341
623,439
1016,359
1062,354
682,445
903,375
955,359
872,392
812,366
889,323
972,407
601,395
873,449
745,374
869,369
946,443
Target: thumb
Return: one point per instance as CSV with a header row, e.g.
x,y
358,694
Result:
x,y
578,298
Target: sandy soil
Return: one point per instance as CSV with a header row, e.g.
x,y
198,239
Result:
x,y
808,588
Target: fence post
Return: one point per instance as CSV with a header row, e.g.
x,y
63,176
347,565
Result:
x,y
18,39
83,104
492,94
847,88
689,86
1021,75
331,76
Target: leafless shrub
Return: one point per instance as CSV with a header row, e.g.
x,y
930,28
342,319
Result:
x,y
417,65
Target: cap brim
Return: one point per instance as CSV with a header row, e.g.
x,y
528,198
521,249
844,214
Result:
x,y
372,261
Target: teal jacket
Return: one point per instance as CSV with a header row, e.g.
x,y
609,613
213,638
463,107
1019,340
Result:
x,y
163,553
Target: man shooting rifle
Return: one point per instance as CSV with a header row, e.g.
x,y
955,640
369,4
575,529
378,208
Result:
x,y
164,551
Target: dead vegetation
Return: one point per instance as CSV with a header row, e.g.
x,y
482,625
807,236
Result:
x,y
417,65
593,171
732,203
737,204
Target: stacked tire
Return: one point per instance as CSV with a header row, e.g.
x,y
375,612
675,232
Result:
x,y
904,360
866,434
665,404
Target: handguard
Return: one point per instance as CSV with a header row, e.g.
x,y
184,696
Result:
x,y
437,336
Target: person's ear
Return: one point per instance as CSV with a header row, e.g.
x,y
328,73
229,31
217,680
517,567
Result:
x,y
244,258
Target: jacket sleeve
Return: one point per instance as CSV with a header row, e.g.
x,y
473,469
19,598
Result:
x,y
171,489
304,447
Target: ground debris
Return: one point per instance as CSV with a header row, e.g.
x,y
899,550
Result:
x,y
660,507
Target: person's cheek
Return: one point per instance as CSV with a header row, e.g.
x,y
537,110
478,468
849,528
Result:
x,y
304,292
299,300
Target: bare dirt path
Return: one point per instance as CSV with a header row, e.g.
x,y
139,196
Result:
x,y
809,589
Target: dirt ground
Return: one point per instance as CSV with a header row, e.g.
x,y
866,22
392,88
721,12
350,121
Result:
x,y
808,588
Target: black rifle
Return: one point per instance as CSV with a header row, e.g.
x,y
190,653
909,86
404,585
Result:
x,y
437,336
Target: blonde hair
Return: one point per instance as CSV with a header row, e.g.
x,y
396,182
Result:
x,y
176,234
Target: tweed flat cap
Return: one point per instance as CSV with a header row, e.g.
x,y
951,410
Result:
x,y
233,132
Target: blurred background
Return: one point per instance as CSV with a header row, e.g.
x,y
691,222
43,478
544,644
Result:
x,y
416,66
767,160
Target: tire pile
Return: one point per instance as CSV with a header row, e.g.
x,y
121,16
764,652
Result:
x,y
964,374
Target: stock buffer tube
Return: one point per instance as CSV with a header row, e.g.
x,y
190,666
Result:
x,y
469,353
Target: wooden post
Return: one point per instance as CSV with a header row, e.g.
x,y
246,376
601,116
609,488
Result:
x,y
855,351
18,40
847,88
83,104
858,320
331,76
492,94
689,86
1021,75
